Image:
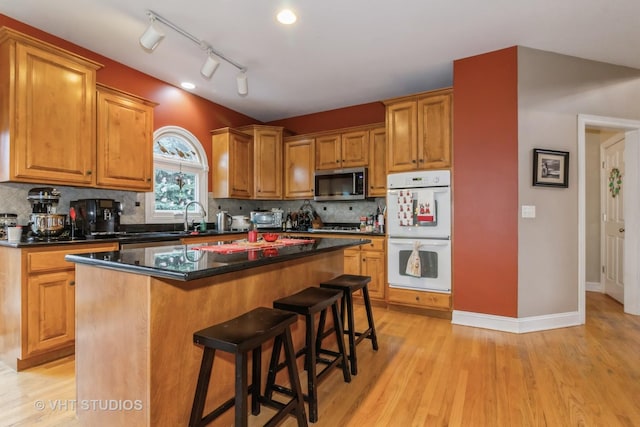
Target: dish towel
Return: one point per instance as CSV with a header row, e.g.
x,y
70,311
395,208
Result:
x,y
405,208
426,208
413,263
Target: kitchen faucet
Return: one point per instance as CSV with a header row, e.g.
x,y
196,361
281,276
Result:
x,y
186,213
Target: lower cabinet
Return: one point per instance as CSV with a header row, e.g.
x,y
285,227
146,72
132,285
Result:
x,y
37,320
369,260
419,299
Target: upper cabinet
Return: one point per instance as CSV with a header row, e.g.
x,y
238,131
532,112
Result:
x,y
231,164
299,162
377,162
342,150
419,131
47,112
124,141
267,160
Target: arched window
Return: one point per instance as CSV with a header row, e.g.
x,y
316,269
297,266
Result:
x,y
180,169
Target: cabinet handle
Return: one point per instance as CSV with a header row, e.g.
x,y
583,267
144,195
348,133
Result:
x,y
72,282
89,172
364,260
337,161
148,179
413,161
421,160
417,298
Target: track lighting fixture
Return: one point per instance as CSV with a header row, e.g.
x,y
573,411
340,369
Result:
x,y
209,67
243,84
152,37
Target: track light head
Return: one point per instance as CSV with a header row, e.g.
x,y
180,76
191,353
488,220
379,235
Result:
x,y
243,84
209,67
151,38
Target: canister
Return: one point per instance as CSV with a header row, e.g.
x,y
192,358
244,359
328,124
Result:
x,y
7,220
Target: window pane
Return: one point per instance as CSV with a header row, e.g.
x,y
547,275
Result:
x,y
173,190
173,147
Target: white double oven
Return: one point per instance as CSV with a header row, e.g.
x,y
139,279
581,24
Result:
x,y
419,230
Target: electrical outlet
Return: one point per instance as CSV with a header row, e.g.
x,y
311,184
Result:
x,y
528,211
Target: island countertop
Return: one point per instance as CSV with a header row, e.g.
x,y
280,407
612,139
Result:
x,y
196,261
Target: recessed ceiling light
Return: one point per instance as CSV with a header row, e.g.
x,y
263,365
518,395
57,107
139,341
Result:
x,y
188,85
287,17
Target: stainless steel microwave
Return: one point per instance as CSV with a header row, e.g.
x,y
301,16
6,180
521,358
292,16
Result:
x,y
341,184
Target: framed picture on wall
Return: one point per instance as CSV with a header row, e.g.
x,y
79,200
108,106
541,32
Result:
x,y
550,168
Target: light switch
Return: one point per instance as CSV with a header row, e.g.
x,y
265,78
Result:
x,y
528,211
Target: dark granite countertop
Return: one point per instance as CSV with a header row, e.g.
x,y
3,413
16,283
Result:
x,y
185,262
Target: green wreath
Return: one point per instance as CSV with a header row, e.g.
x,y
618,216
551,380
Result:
x,y
615,181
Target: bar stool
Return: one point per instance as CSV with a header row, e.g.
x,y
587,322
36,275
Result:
x,y
350,283
238,336
307,303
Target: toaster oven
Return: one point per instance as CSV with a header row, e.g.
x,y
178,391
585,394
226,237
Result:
x,y
267,219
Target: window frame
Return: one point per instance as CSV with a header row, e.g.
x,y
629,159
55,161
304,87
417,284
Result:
x,y
200,169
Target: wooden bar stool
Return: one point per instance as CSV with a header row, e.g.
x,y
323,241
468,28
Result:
x,y
238,336
307,303
350,283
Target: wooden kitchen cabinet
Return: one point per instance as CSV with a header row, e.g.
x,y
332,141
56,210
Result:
x,y
342,150
419,131
377,162
124,141
419,299
231,164
47,101
299,163
267,160
37,319
369,260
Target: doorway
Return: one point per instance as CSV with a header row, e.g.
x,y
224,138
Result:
x,y
631,208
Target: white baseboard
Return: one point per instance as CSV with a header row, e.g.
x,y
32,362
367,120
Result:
x,y
594,287
515,325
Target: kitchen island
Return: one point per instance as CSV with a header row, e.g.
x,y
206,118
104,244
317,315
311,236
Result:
x,y
137,309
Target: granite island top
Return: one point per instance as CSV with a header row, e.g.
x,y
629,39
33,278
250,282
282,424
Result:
x,y
189,262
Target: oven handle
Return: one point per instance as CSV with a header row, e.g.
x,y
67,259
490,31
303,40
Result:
x,y
409,242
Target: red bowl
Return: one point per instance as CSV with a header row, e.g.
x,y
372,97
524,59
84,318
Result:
x,y
270,237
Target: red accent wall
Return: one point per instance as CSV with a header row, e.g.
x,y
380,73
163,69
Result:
x,y
485,183
176,107
356,115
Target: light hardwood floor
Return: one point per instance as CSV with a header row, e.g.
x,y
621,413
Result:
x,y
431,373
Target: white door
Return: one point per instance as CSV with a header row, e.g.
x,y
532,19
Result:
x,y
613,217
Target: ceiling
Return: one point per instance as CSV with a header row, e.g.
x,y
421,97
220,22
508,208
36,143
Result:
x,y
339,52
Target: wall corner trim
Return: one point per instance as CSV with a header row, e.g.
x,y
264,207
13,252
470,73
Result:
x,y
516,325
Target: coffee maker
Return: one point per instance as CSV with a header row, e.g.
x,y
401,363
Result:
x,y
96,217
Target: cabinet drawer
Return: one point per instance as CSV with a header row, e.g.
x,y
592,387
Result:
x,y
48,260
419,299
375,245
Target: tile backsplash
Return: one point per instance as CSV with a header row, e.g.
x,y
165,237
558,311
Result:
x,y
13,199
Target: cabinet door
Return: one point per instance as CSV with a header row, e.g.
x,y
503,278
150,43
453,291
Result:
x,y
268,164
125,139
434,132
401,136
355,149
51,311
328,151
54,138
377,162
352,261
240,166
299,162
373,265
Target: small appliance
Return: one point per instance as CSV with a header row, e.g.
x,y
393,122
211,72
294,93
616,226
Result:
x,y
7,220
223,221
267,219
45,222
340,184
96,217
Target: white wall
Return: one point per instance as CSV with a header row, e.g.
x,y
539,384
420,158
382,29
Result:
x,y
552,90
